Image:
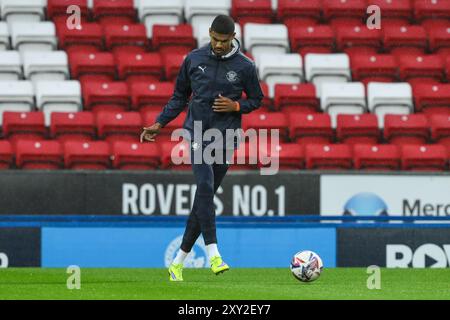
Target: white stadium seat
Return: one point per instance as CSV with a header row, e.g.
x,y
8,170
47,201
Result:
x,y
342,98
23,10
4,36
323,67
201,32
279,68
389,98
204,11
166,12
265,38
34,36
16,96
10,66
42,65
59,96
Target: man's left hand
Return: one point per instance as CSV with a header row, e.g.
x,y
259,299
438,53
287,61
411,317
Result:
x,y
224,104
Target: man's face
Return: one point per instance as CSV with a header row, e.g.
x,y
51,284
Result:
x,y
221,43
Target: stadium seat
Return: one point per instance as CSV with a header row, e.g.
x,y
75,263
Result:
x,y
392,10
294,12
105,96
139,66
420,69
310,38
266,120
150,95
98,66
126,38
265,39
296,97
87,37
342,98
307,128
440,129
63,96
406,129
114,11
431,9
167,12
253,11
135,156
333,9
73,126
376,157
290,156
38,154
321,68
201,33
439,38
360,128
175,155
172,37
374,68
424,157
353,39
411,39
389,98
23,10
10,66
279,68
204,11
328,156
87,155
171,64
42,65
123,126
432,98
6,155
23,126
16,96
59,7
33,36
149,118
4,36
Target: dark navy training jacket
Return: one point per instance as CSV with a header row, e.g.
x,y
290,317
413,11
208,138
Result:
x,y
205,76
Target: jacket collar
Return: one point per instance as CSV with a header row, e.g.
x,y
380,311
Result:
x,y
236,46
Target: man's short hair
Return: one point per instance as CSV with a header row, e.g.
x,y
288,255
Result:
x,y
223,24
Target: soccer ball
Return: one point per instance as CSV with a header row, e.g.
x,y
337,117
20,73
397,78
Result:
x,y
306,266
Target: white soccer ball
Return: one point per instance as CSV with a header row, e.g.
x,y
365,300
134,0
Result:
x,y
306,266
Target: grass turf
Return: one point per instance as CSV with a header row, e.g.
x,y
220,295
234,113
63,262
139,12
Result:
x,y
236,284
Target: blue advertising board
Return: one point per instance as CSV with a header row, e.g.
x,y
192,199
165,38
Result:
x,y
156,246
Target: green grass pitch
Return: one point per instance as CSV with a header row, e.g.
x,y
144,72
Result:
x,y
236,284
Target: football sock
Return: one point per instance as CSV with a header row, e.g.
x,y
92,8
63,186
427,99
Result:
x,y
181,255
212,250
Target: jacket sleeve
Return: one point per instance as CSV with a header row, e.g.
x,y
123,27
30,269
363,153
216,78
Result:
x,y
180,96
253,91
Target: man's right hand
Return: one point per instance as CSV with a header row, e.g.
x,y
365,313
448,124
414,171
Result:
x,y
149,133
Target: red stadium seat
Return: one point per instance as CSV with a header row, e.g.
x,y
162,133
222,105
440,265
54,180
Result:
x,y
139,66
447,67
439,37
172,63
432,98
6,154
294,9
266,120
114,11
79,126
175,155
358,37
406,129
173,36
376,68
349,9
92,155
404,39
424,157
38,154
59,7
105,96
376,157
440,129
126,38
296,97
150,95
24,125
431,9
311,37
420,69
290,156
307,128
393,9
361,128
123,126
135,156
88,37
98,66
257,11
149,118
328,156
